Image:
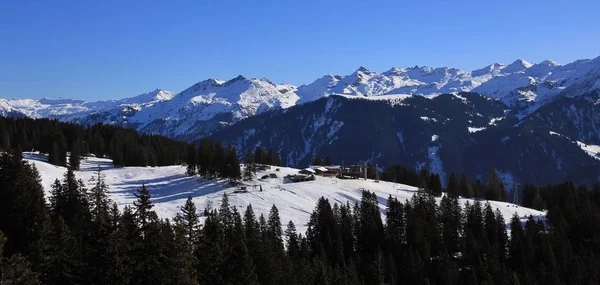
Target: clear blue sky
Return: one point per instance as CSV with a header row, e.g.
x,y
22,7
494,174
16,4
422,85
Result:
x,y
96,50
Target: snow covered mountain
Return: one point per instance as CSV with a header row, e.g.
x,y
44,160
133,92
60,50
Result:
x,y
519,84
212,104
194,112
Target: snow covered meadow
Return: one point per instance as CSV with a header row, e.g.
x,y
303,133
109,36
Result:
x,y
170,186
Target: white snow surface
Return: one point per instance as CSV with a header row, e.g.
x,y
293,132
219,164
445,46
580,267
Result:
x,y
590,149
474,130
170,187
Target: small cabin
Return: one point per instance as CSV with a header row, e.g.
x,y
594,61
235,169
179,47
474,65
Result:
x,y
307,171
270,175
263,167
325,172
301,178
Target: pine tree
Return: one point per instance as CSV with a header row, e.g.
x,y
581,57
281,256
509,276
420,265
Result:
x,y
69,201
291,240
453,187
191,160
54,155
240,268
465,189
23,216
252,234
233,165
250,166
2,241
124,244
260,155
424,176
17,269
478,189
190,221
494,189
370,227
98,197
450,218
75,156
210,253
4,138
517,245
102,227
271,157
219,165
204,158
117,152
327,161
61,266
435,185
182,261
143,209
274,228
317,161
153,252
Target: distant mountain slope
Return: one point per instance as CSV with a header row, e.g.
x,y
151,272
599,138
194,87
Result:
x,y
462,132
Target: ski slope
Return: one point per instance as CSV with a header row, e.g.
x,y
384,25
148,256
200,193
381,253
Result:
x,y
170,187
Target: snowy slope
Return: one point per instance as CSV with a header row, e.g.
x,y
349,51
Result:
x,y
170,187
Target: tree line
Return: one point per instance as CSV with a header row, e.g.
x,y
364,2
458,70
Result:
x,y
81,237
492,188
211,160
125,147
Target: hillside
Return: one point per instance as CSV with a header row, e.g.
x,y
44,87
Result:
x,y
170,187
444,133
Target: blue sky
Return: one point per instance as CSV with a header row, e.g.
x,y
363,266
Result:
x,y
96,50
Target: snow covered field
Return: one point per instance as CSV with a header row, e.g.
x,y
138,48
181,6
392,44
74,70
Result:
x,y
170,187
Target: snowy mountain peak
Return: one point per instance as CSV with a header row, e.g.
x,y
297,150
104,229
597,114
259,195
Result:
x,y
237,78
362,69
517,66
208,83
491,69
394,71
163,95
549,62
423,69
157,95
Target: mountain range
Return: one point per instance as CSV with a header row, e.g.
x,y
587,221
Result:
x,y
533,122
